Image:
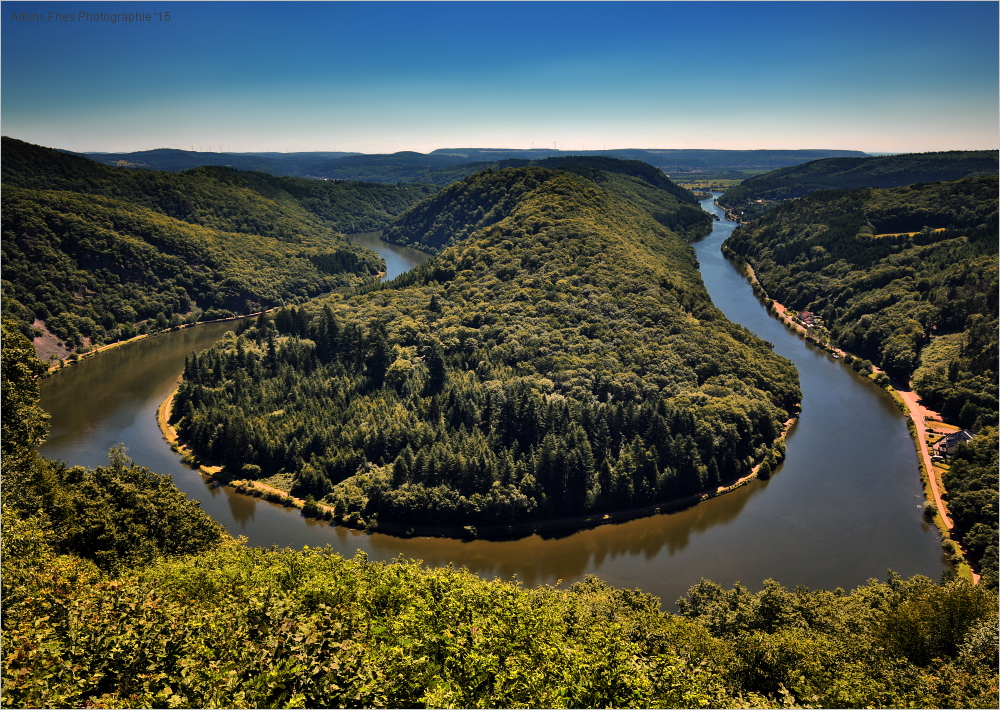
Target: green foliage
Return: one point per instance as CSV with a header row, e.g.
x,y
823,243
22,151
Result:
x,y
894,644
294,210
486,198
246,627
97,253
887,298
972,483
118,515
921,305
563,358
176,160
24,423
758,194
94,268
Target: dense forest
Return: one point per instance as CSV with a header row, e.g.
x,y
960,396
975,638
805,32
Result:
x,y
753,197
93,253
119,592
435,224
906,278
564,358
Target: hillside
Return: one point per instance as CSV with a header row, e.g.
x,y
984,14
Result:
x,y
907,278
756,195
560,359
405,166
118,592
444,166
94,253
174,160
670,160
479,201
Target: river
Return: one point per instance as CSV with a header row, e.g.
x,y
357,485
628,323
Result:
x,y
845,506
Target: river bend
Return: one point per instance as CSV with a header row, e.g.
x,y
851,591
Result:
x,y
845,506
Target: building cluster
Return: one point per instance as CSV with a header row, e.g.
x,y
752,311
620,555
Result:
x,y
809,319
947,444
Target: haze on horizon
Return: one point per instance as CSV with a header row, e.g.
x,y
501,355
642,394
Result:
x,y
384,77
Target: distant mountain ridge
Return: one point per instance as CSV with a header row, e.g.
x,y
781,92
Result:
x,y
756,195
441,166
176,160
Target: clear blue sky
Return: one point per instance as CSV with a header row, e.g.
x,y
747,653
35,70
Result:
x,y
382,77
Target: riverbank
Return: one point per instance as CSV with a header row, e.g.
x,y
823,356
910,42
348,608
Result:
x,y
93,352
553,527
907,402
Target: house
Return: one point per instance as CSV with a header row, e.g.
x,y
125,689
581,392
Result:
x,y
947,443
808,317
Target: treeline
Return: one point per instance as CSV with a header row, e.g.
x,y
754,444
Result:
x,y
920,301
756,195
124,594
563,360
94,253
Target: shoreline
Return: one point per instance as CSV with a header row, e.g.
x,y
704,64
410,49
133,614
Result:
x,y
68,362
905,398
570,525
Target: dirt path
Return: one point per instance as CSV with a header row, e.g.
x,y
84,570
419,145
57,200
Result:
x,y
918,414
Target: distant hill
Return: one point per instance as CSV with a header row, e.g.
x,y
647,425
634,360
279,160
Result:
x,y
446,165
680,160
405,166
174,160
93,253
435,223
756,195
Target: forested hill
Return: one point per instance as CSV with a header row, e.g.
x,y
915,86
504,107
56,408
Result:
x,y
93,253
756,195
176,160
907,278
478,201
289,209
562,359
120,592
442,167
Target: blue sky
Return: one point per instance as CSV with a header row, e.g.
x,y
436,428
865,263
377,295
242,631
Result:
x,y
381,77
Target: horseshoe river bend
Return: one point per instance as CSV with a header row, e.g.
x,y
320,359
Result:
x,y
844,506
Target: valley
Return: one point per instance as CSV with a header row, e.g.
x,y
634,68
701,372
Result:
x,y
566,348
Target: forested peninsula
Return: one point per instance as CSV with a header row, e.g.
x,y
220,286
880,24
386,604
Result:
x,y
561,358
119,592
906,278
93,254
756,195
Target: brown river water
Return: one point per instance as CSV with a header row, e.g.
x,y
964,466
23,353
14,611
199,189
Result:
x,y
844,507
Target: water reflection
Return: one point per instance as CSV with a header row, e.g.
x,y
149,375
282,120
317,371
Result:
x,y
242,508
